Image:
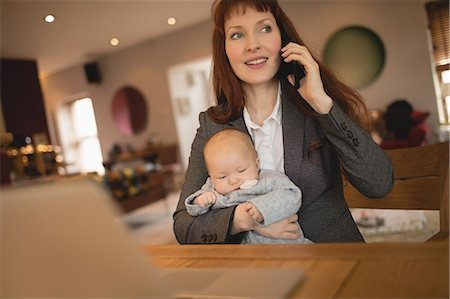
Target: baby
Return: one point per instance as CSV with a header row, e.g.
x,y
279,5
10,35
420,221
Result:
x,y
234,178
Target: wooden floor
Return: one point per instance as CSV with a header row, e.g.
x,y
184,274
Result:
x,y
152,224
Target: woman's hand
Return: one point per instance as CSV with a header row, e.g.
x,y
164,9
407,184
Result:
x,y
287,229
256,214
242,220
311,86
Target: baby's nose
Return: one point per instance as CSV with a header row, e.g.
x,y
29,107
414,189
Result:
x,y
233,181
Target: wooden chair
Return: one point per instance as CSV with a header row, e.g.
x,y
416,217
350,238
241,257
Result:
x,y
421,182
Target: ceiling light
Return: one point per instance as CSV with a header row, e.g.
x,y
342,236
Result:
x,y
114,41
171,21
49,18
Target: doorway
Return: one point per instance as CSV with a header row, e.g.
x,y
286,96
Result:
x,y
190,93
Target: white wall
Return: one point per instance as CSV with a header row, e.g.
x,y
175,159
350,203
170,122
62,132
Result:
x,y
144,67
400,24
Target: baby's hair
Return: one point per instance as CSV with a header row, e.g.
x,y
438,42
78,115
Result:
x,y
223,136
226,136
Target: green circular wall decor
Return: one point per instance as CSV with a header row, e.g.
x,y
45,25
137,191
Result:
x,y
356,55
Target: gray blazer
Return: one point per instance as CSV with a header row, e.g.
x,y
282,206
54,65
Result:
x,y
324,215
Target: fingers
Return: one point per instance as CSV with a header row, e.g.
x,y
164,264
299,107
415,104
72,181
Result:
x,y
293,48
311,87
291,231
257,217
296,52
242,221
291,235
293,218
247,206
210,199
206,199
255,213
287,229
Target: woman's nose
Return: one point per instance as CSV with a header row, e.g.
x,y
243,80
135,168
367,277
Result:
x,y
252,43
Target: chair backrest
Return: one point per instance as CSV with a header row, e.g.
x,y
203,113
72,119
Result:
x,y
421,182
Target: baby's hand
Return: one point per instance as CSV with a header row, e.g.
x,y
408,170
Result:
x,y
205,200
255,213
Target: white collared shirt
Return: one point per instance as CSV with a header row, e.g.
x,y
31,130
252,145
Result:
x,y
268,138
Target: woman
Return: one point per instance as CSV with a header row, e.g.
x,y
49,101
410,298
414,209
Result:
x,y
311,133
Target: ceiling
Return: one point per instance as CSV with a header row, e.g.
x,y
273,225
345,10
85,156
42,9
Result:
x,y
83,28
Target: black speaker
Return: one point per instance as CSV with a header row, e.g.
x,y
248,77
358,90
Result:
x,y
92,72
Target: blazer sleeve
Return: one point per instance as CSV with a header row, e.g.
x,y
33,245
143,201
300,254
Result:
x,y
213,226
366,165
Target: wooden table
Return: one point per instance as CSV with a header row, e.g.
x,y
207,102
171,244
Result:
x,y
377,270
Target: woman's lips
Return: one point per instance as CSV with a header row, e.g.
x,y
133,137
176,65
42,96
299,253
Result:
x,y
257,62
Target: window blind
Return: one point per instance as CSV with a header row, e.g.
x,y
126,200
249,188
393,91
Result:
x,y
438,22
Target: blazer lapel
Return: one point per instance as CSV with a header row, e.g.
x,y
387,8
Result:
x,y
293,123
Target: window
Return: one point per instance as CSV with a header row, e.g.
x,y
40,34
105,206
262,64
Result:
x,y
438,23
78,131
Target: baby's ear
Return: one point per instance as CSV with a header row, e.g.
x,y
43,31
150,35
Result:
x,y
257,161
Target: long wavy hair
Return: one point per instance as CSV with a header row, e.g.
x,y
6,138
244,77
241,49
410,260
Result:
x,y
227,87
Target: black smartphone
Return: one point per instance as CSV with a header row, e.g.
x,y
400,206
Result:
x,y
295,69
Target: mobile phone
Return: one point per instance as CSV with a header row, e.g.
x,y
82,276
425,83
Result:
x,y
295,69
298,72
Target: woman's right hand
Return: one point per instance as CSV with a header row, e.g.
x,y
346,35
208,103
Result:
x,y
311,85
287,228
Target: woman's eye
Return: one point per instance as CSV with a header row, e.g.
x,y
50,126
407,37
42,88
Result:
x,y
266,29
236,35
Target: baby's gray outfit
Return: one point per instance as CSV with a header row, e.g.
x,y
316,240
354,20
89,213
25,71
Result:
x,y
275,196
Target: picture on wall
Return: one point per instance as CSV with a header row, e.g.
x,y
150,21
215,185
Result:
x,y
356,54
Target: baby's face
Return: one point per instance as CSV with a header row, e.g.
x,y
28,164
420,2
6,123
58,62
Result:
x,y
228,172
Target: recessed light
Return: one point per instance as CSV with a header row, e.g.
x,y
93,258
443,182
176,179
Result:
x,y
114,41
171,21
49,18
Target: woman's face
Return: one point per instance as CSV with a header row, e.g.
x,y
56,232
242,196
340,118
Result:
x,y
253,45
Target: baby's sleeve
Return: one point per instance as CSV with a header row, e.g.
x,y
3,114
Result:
x,y
281,197
195,210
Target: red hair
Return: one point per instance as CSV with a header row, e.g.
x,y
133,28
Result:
x,y
227,87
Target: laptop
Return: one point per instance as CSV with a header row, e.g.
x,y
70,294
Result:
x,y
64,239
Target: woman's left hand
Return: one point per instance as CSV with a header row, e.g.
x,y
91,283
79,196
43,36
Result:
x,y
311,86
285,229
